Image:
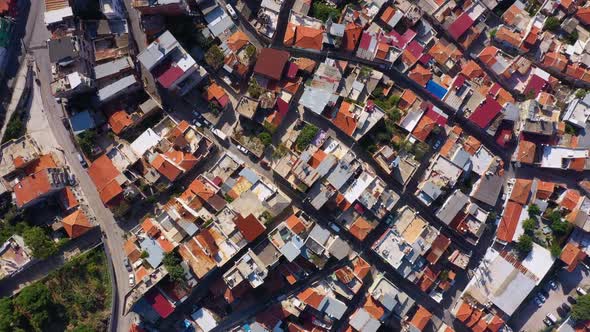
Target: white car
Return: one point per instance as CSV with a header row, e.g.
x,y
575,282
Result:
x,y
242,149
131,279
231,11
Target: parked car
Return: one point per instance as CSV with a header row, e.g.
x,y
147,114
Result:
x,y
566,307
551,318
265,164
231,11
242,149
538,302
552,284
82,160
581,291
127,265
541,297
571,299
131,279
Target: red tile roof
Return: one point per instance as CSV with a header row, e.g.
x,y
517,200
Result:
x,y
159,303
271,63
583,14
295,224
119,121
438,248
345,120
460,26
424,128
486,112
374,308
249,226
464,312
544,189
167,73
361,268
68,199
76,224
360,228
166,168
526,152
311,297
509,221
570,199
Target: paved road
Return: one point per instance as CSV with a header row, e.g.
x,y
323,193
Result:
x,y
114,241
530,316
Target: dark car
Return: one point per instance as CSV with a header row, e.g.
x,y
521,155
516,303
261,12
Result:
x,y
265,164
566,307
571,300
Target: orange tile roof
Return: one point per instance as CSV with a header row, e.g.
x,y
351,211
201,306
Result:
x,y
488,55
149,228
440,52
544,189
344,120
509,221
31,188
352,35
575,70
360,228
119,121
215,92
387,14
295,224
420,75
249,226
471,145
556,61
570,199
511,14
360,268
166,168
289,38
207,241
583,14
437,249
306,37
68,198
140,273
421,318
481,326
407,99
526,152
475,317
374,308
166,245
184,160
237,40
43,162
464,312
495,324
103,173
545,98
503,97
311,297
408,58
76,224
317,158
131,250
445,150
201,190
571,255
508,36
577,164
305,64
424,128
472,70
521,191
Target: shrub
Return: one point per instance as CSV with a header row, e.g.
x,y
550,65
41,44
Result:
x,y
552,23
534,210
214,57
39,242
555,249
559,227
265,138
86,141
322,11
305,137
14,129
529,225
171,262
254,90
524,244
250,51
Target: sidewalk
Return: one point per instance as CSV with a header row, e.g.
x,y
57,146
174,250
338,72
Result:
x,y
19,88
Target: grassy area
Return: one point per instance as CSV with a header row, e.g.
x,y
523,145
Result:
x,y
77,297
306,136
15,128
322,11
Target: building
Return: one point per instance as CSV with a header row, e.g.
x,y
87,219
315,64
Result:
x,y
38,186
171,65
271,63
161,7
107,179
123,86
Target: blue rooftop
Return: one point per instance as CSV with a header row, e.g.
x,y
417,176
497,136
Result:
x,y
155,252
81,122
436,89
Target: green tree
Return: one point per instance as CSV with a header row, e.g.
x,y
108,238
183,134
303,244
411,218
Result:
x,y
420,150
305,137
250,51
322,11
572,37
555,249
529,225
171,262
14,129
254,89
39,242
35,303
86,140
559,227
493,33
581,309
7,315
581,93
280,151
214,57
524,244
265,138
552,23
534,210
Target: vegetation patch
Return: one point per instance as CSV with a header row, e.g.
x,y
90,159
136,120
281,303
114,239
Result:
x,y
77,297
306,136
322,11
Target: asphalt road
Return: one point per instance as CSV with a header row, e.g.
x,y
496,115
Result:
x,y
38,35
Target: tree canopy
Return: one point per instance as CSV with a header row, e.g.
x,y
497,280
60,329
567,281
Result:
x,y
524,244
172,264
581,309
214,57
39,243
305,137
